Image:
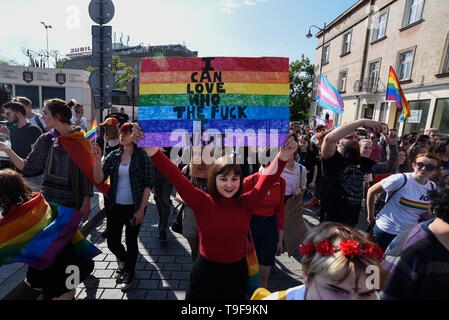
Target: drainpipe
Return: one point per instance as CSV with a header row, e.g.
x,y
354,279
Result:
x,y
365,53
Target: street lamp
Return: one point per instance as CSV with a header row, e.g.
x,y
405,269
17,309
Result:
x,y
308,36
46,29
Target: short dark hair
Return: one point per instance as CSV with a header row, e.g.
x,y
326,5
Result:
x,y
439,200
224,165
59,108
17,107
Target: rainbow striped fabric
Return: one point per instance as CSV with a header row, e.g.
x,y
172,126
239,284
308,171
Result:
x,y
252,264
36,232
394,92
80,151
328,97
215,94
309,200
93,132
414,204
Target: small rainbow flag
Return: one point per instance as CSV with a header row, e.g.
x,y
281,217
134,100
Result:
x,y
309,200
93,132
394,92
35,233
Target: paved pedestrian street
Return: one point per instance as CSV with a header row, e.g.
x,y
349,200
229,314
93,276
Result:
x,y
163,269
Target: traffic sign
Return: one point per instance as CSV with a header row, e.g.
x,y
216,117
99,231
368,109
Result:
x,y
95,81
101,11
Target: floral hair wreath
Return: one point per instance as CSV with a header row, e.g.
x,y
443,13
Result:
x,y
349,248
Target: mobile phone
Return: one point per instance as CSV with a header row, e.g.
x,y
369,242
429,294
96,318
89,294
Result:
x,y
384,128
132,222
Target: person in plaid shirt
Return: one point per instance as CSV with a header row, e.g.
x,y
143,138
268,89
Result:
x,y
131,179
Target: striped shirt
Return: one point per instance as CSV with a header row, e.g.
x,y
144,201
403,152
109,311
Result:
x,y
417,265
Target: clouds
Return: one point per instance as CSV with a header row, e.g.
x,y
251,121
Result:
x,y
227,6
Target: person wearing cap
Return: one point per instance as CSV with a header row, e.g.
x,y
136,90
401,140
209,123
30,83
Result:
x,y
121,117
111,135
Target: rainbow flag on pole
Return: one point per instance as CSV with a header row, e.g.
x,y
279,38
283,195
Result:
x,y
36,232
328,97
394,92
93,132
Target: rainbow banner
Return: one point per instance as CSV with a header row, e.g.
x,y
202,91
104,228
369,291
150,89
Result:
x,y
36,232
395,93
328,97
245,99
93,132
309,200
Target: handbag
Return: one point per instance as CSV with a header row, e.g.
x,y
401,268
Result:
x,y
295,229
252,264
177,225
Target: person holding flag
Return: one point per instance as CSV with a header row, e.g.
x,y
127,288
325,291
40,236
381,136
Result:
x,y
64,156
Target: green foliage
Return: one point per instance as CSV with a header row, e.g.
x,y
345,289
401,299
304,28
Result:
x,y
301,74
122,73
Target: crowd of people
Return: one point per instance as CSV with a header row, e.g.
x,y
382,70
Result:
x,y
399,183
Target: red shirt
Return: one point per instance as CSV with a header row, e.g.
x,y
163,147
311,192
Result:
x,y
222,223
273,203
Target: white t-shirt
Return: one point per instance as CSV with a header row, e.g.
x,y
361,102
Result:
x,y
124,194
35,118
403,210
294,178
82,124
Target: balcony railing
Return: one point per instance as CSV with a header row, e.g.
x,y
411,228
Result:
x,y
369,85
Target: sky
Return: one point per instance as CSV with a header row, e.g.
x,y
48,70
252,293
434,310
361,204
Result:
x,y
237,28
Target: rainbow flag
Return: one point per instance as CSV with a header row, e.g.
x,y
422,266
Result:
x,y
80,151
309,200
36,232
93,132
328,97
394,92
223,94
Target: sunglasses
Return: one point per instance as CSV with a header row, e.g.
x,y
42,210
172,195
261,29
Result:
x,y
429,167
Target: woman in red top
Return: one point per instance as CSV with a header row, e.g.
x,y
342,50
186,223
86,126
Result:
x,y
267,222
222,217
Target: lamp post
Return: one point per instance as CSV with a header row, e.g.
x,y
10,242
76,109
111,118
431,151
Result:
x,y
308,36
46,26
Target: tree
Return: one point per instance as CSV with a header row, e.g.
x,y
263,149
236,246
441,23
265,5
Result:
x,y
121,72
301,74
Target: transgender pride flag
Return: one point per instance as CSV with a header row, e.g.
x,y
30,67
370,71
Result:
x,y
328,97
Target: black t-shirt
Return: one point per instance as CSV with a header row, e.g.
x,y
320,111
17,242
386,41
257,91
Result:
x,y
22,139
342,190
309,159
121,118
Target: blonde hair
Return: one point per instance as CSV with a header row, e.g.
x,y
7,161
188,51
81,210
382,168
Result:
x,y
337,266
111,132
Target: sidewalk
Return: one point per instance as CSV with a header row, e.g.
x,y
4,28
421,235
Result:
x,y
162,269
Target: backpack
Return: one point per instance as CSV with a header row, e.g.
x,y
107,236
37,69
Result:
x,y
381,201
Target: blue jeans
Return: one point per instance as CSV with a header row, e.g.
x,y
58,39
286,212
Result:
x,y
382,238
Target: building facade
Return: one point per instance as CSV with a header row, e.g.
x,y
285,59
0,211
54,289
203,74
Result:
x,y
40,84
362,43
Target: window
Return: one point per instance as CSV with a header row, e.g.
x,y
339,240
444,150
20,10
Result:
x,y
32,93
441,117
383,112
418,116
445,62
405,63
380,27
342,80
373,76
326,54
368,111
346,43
413,12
